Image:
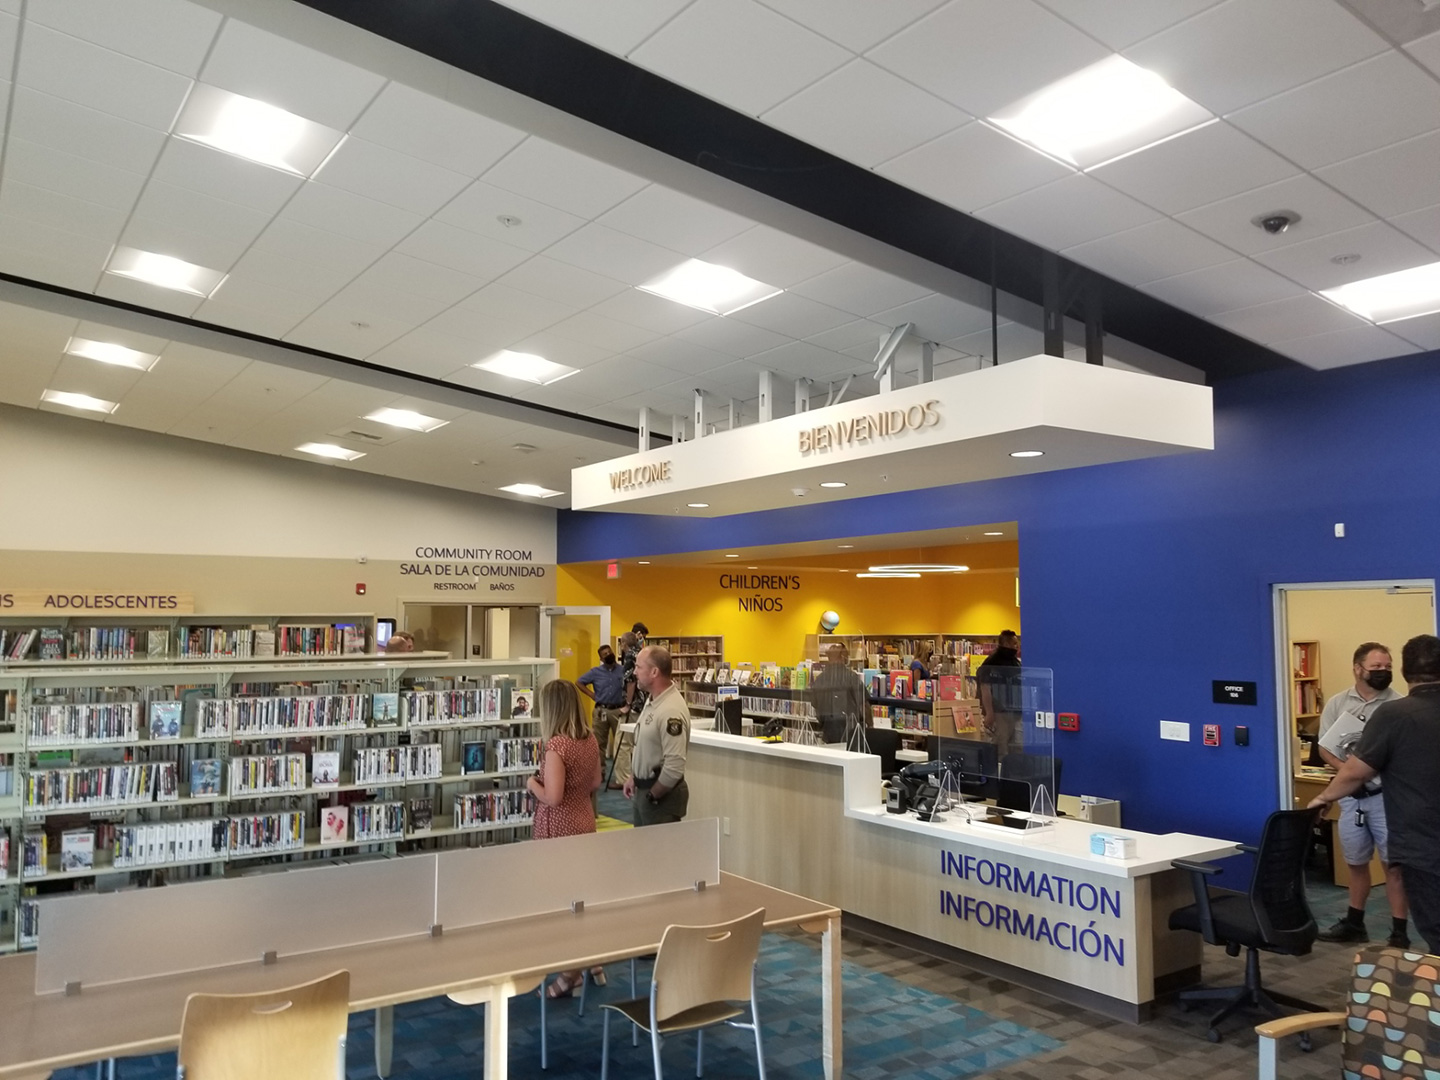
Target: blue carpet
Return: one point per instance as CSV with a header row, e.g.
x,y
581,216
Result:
x,y
891,1031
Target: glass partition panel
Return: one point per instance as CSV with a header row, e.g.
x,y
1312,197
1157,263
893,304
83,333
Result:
x,y
439,628
511,881
97,938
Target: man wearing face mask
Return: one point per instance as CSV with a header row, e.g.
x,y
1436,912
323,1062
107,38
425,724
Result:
x,y
605,685
1361,825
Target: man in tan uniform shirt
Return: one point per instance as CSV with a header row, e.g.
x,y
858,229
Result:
x,y
656,787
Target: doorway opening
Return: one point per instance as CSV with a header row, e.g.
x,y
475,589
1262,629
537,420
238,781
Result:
x,y
475,631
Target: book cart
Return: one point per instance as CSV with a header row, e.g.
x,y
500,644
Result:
x,y
128,775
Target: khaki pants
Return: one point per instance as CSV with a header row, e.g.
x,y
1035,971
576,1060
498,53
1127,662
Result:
x,y
605,722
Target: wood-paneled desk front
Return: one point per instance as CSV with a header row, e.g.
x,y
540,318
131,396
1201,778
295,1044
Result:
x,y
43,1032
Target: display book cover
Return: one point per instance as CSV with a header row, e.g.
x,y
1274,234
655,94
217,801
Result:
x,y
205,778
522,700
334,824
385,708
4,854
422,814
325,768
165,717
77,850
472,758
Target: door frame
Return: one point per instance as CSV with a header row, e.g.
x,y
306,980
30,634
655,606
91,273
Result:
x,y
1285,740
550,612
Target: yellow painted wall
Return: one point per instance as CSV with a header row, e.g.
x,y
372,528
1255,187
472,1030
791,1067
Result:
x,y
1340,619
690,601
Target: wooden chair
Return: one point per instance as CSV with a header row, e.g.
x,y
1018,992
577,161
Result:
x,y
297,1033
704,975
1391,1026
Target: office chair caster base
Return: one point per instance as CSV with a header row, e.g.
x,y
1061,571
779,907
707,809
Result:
x,y
1214,1035
1305,1044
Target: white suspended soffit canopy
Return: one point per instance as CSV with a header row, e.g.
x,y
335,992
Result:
x,y
951,431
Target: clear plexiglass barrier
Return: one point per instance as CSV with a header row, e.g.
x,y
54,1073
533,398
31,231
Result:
x,y
511,881
98,938
992,754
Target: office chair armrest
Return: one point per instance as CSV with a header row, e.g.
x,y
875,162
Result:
x,y
1208,869
1198,873
1294,1025
1248,849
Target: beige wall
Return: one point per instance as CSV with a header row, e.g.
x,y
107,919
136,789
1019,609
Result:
x,y
1341,619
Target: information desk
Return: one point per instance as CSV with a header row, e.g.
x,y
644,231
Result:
x,y
1041,911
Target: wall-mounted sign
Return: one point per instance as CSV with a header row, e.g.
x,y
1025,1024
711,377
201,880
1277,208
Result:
x,y
472,569
65,603
1233,692
877,425
640,476
756,586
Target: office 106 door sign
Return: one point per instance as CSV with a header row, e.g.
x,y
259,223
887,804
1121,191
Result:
x,y
760,592
472,569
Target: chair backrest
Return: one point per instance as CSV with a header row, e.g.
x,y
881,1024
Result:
x,y
1277,888
885,742
296,1033
1393,1022
1036,770
700,964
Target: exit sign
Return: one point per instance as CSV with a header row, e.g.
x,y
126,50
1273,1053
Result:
x,y
612,570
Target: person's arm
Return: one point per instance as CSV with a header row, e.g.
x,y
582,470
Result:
x,y
1353,775
599,771
585,683
549,786
1330,759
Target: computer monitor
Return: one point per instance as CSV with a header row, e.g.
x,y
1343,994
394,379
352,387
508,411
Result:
x,y
974,764
383,629
728,715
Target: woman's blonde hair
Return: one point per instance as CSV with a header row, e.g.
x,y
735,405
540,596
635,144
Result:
x,y
562,710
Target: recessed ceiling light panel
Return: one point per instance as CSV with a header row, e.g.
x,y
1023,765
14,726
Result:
x,y
1027,453
526,366
107,352
330,450
697,506
534,491
1101,112
78,401
919,568
832,483
708,287
165,271
994,534
406,418
255,131
1388,298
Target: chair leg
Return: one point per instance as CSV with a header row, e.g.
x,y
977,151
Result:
x,y
544,1033
699,1052
605,1046
634,1031
655,1049
584,985
755,1021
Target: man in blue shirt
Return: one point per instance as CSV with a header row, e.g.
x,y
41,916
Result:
x,y
604,684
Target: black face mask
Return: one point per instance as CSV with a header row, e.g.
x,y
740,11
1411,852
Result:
x,y
1378,680
608,659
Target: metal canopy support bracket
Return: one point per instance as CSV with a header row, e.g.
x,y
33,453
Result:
x,y
701,417
927,361
803,389
767,396
734,414
679,429
1054,316
885,358
1094,325
647,426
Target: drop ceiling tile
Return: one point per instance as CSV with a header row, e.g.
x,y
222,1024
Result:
x,y
212,248
1121,23
793,315
108,382
1295,317
1371,104
1423,225
859,289
738,53
171,34
972,167
1202,166
241,291
51,170
1067,212
94,136
1241,52
271,321
734,339
606,334
333,329
395,272
324,207
258,64
862,332
1382,250
614,254
287,274
561,178
1345,347
617,27
1322,211
1160,249
800,359
562,348
376,172
445,245
1423,331
562,282
479,208
936,317
769,255
1230,285
88,75
680,358
224,176
865,114
196,212
34,238
855,24
651,312
1427,51
366,300
1391,181
148,296
9,30
664,216
437,355
286,238
442,133
38,266
514,308
615,377
96,331
61,211
966,51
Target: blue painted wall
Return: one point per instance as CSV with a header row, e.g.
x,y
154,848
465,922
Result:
x,y
1144,581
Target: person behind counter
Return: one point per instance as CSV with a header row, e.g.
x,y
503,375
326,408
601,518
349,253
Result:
x,y
656,788
840,698
920,667
400,641
1001,694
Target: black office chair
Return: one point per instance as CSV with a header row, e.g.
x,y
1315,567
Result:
x,y
884,742
1036,770
1272,915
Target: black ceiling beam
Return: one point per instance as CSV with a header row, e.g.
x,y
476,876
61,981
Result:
x,y
498,44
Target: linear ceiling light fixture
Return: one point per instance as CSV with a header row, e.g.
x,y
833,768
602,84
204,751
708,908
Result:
x,y
919,568
165,271
330,450
255,131
1100,113
525,366
533,491
406,418
708,287
78,401
889,574
1389,298
107,352
1027,453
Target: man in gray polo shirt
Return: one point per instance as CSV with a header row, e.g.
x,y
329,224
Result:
x,y
1362,826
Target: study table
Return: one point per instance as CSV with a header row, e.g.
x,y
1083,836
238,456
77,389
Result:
x,y
43,1032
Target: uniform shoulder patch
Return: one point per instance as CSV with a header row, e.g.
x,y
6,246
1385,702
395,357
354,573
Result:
x,y
675,727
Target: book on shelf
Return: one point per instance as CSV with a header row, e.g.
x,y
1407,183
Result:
x,y
516,807
165,719
254,834
334,824
263,643
521,703
52,644
264,773
34,854
77,850
19,643
378,821
157,644
4,854
325,768
111,721
205,778
517,755
100,785
422,815
385,708
472,758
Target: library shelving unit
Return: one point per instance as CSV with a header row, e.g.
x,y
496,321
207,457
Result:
x,y
1306,698
961,654
98,639
687,652
760,704
131,774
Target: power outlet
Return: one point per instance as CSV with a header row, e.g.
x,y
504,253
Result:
x,y
726,825
1175,729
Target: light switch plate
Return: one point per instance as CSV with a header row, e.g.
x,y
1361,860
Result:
x,y
1175,729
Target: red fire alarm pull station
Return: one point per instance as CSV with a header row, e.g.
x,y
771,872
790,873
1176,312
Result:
x,y
1068,721
1212,734
359,588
